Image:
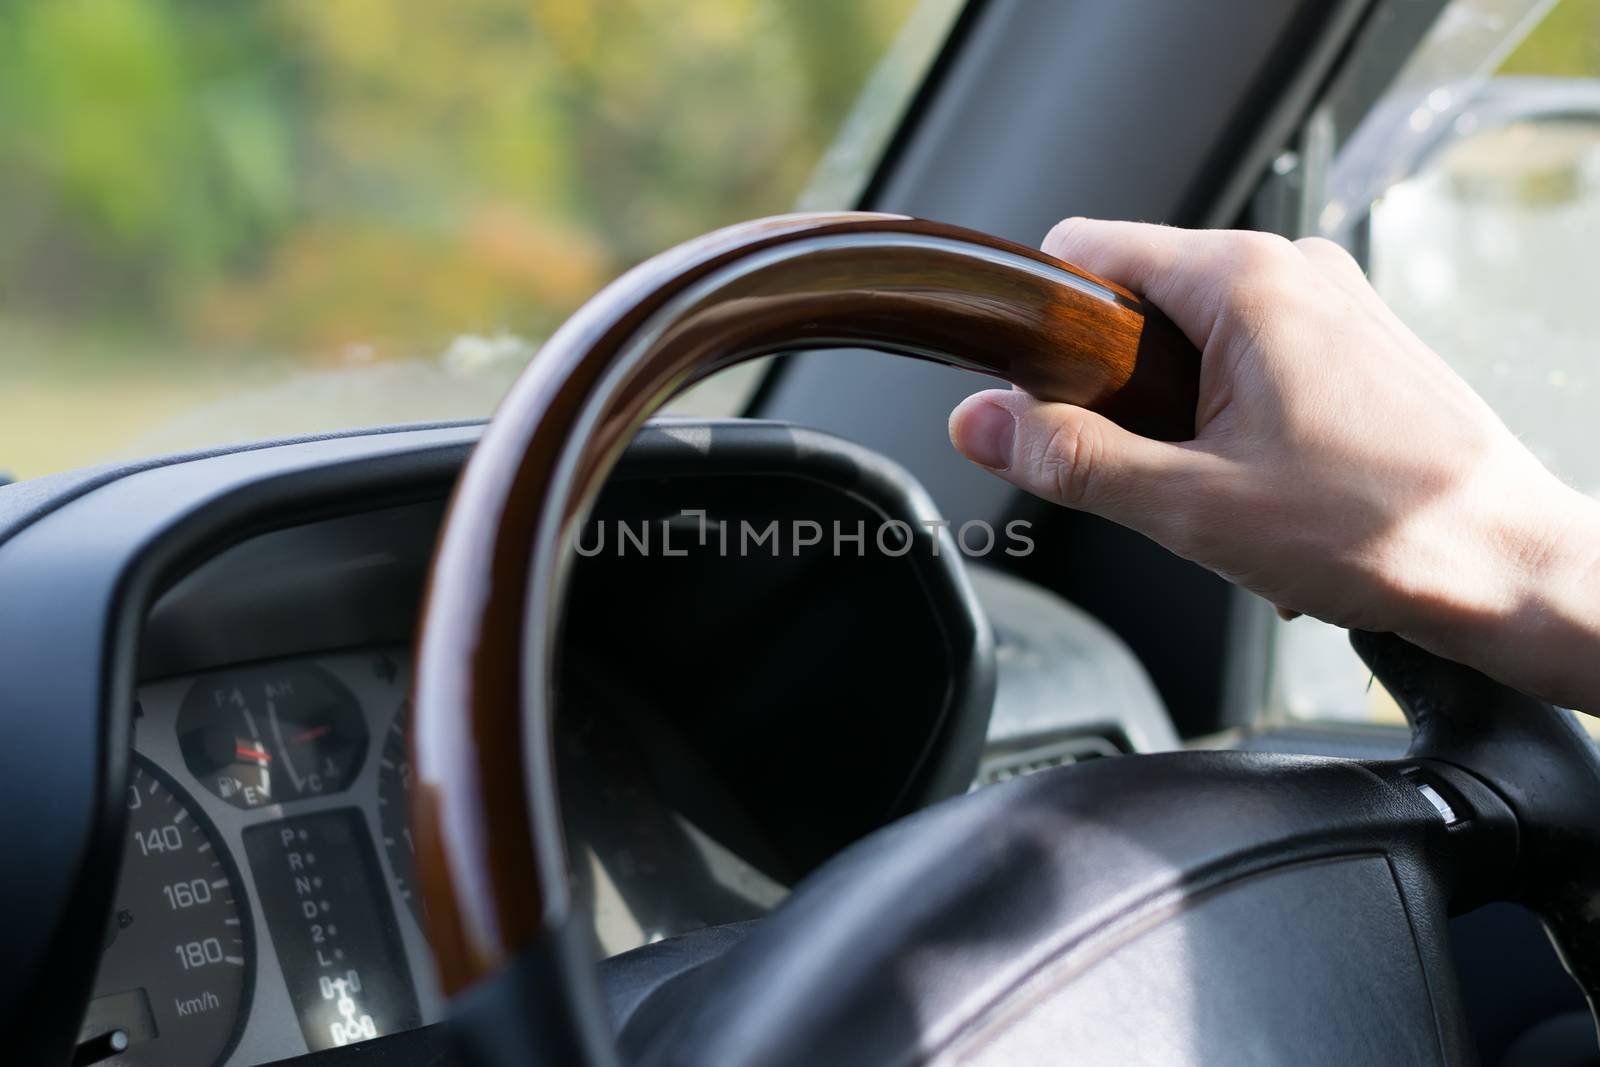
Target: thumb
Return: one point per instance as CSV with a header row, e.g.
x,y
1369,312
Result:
x,y
1074,457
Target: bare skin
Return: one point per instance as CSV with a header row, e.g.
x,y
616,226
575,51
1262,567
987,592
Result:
x,y
1341,469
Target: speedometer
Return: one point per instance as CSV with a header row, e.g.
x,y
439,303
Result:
x,y
175,974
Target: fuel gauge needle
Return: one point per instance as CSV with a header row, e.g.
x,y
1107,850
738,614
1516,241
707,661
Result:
x,y
260,755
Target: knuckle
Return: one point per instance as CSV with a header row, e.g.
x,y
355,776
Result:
x,y
1331,253
1259,253
1258,272
1321,246
1066,463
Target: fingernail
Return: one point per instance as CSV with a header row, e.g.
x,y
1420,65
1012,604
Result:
x,y
984,435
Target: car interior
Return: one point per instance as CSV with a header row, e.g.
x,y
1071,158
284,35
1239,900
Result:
x,y
322,751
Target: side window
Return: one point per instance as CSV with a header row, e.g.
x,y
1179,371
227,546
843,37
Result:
x,y
1471,191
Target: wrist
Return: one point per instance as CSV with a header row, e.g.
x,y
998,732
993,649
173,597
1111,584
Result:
x,y
1543,634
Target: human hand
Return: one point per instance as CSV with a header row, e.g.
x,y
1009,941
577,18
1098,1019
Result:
x,y
1340,468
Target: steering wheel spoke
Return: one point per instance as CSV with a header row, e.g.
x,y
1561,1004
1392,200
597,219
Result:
x,y
1544,766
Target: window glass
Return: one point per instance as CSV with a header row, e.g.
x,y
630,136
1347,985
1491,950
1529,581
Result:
x,y
1473,192
221,222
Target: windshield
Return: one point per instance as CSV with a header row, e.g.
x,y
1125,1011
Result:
x,y
227,222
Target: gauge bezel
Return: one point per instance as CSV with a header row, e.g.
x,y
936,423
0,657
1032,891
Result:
x,y
344,713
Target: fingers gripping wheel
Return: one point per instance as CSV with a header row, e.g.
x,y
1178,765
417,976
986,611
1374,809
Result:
x,y
490,857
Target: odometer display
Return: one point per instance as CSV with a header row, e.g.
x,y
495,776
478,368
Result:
x,y
175,974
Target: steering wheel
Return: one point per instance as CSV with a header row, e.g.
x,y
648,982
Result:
x,y
1197,907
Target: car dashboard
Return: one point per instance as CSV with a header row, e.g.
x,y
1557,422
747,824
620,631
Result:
x,y
208,675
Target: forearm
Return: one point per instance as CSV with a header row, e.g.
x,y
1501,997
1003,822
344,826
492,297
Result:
x,y
1535,621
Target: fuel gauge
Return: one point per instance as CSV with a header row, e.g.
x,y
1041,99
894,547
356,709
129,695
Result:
x,y
271,734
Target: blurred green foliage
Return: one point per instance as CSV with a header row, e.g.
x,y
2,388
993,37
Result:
x,y
1565,44
295,176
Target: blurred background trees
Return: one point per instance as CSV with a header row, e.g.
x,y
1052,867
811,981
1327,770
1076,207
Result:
x,y
196,193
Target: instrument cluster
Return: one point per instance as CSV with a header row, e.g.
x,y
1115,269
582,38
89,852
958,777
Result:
x,y
264,906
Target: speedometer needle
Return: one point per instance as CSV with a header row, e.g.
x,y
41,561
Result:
x,y
259,754
100,1048
310,735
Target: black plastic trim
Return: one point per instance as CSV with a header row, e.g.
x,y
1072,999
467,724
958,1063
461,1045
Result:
x,y
28,501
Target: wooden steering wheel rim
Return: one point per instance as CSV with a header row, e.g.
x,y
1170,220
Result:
x,y
491,862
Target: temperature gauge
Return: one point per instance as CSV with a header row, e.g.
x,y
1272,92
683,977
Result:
x,y
270,734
